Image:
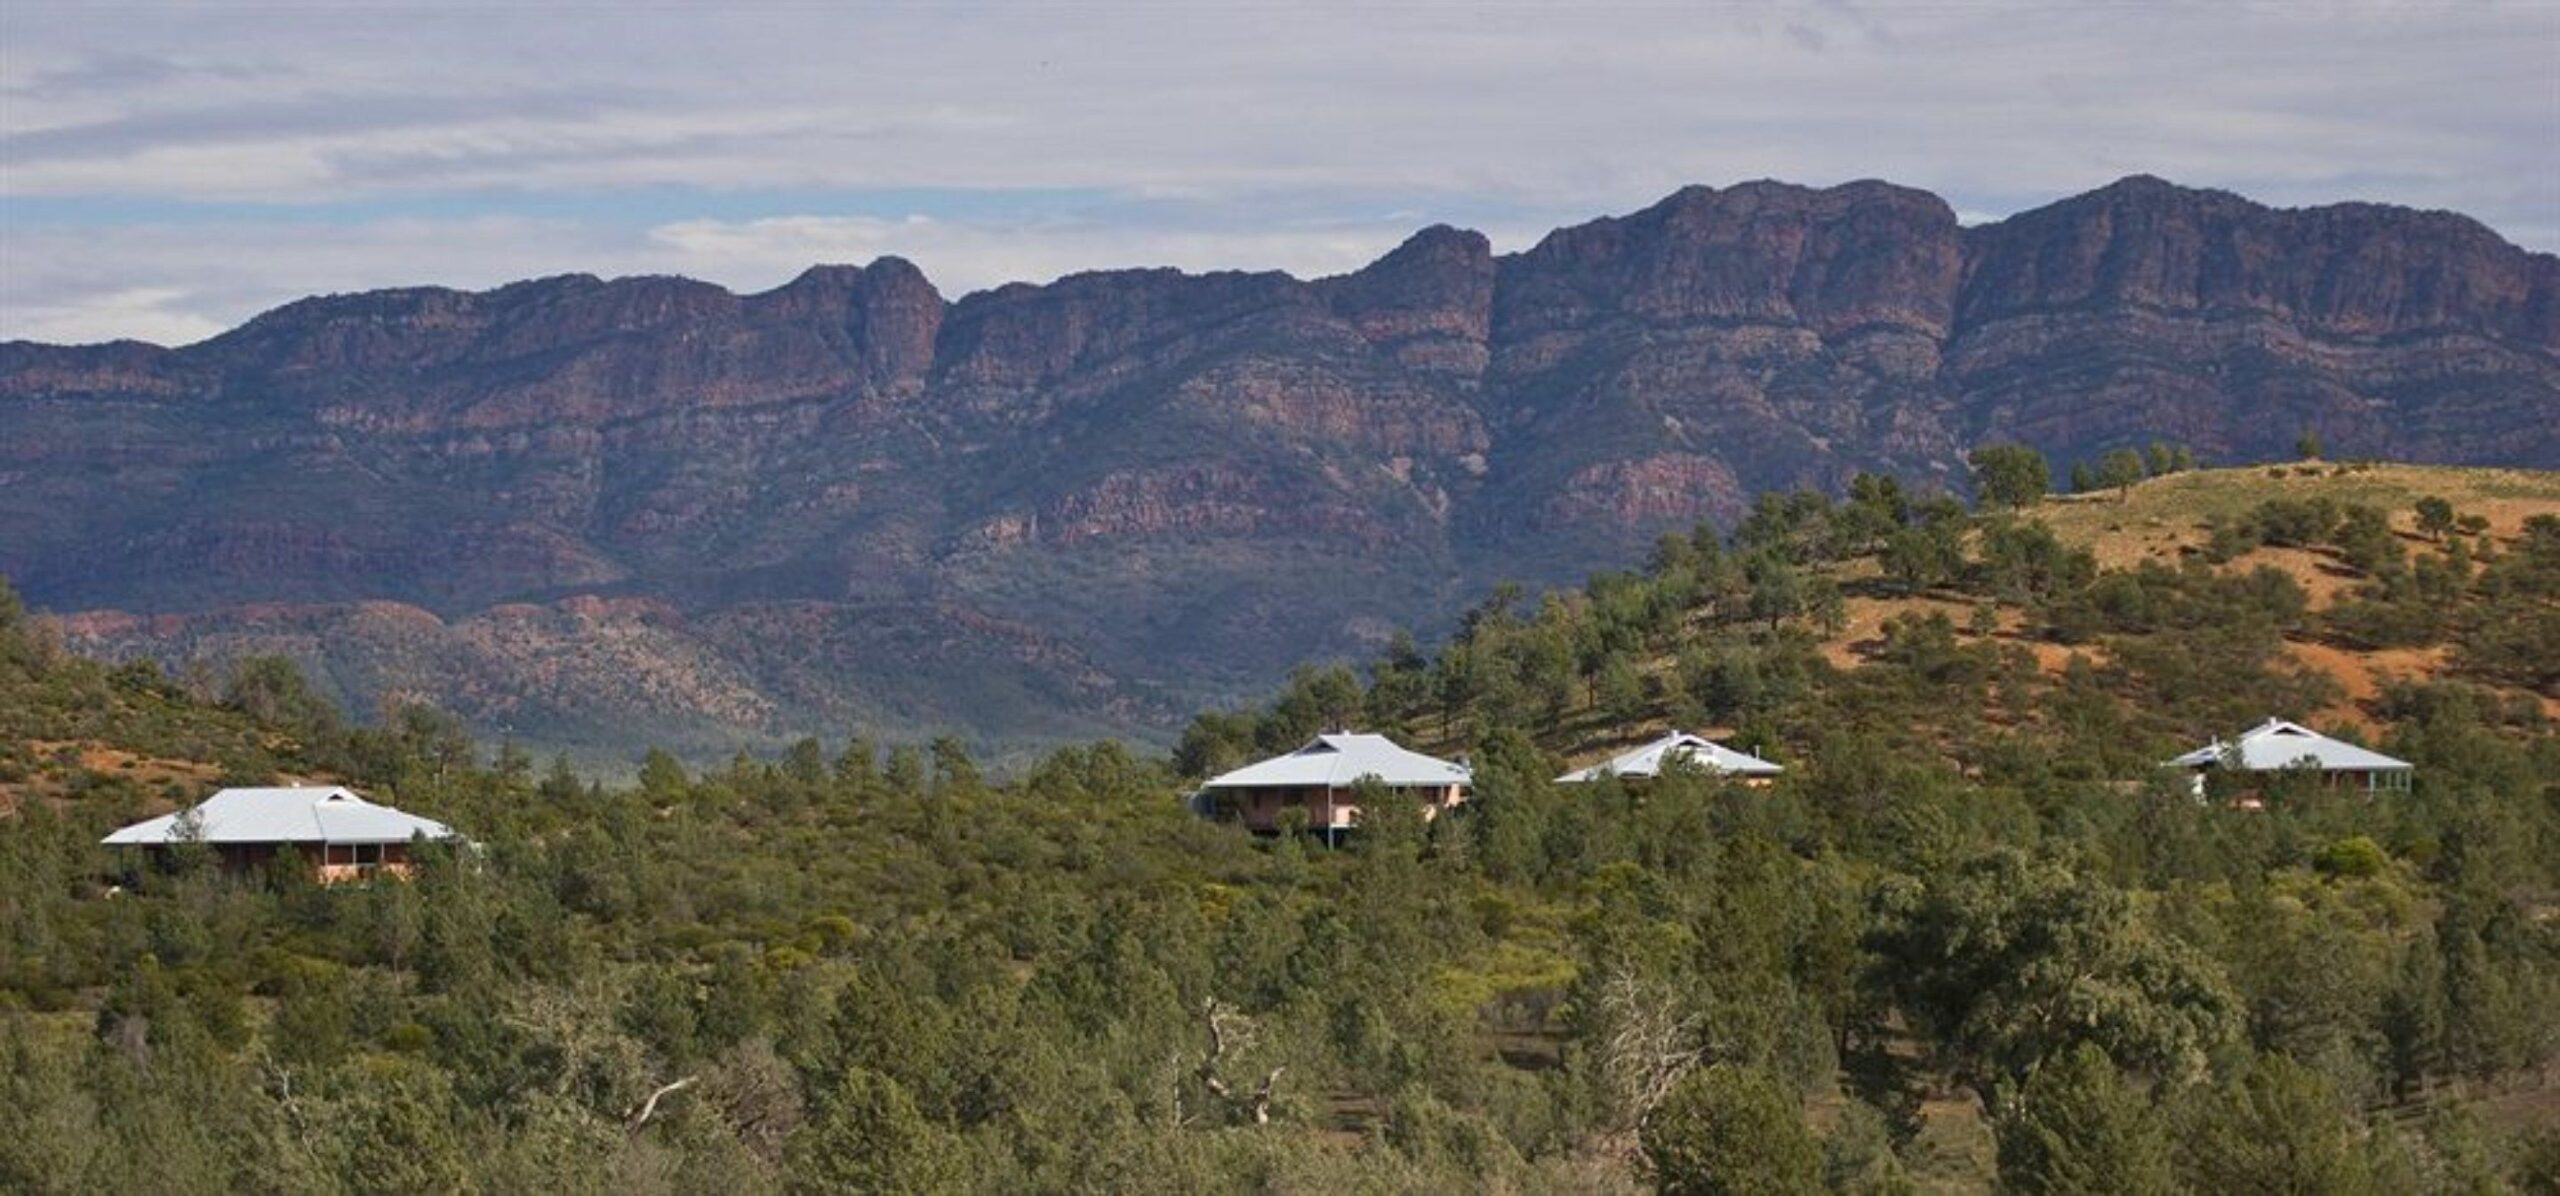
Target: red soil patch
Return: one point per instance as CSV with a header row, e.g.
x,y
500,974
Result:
x,y
2362,674
50,782
2319,574
1862,624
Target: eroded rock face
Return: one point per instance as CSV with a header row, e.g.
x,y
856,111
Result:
x,y
1763,336
1126,493
1828,260
2146,308
1430,302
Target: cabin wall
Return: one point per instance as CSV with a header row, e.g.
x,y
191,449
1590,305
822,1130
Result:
x,y
1259,809
2371,782
329,863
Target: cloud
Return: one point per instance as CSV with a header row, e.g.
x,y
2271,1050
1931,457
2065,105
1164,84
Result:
x,y
155,314
214,277
1216,135
72,286
962,257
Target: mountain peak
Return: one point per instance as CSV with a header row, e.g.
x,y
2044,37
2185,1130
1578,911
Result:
x,y
1437,286
1188,481
888,269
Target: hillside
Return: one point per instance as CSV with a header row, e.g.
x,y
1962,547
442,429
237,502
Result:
x,y
2197,602
2160,516
1969,939
2167,519
121,739
1043,512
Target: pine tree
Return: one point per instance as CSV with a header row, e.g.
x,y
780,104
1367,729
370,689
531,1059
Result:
x,y
2078,1129
1730,1130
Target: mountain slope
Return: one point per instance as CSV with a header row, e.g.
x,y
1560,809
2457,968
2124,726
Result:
x,y
1045,512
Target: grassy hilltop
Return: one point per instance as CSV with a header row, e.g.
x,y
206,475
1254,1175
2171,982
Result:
x,y
2167,519
2367,616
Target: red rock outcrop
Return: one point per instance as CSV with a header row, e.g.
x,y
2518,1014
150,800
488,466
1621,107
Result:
x,y
1151,483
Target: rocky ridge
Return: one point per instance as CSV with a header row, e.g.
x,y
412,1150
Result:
x,y
585,509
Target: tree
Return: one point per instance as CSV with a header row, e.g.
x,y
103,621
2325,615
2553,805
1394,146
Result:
x,y
1877,505
2119,470
2010,961
1315,699
2364,538
1620,689
271,689
1777,588
2435,517
1216,741
2077,1129
858,766
805,763
1919,557
394,1129
2277,1127
2023,559
661,777
1401,679
2010,475
905,774
953,772
2411,1019
2307,447
2485,1019
869,1137
1231,1033
1730,1130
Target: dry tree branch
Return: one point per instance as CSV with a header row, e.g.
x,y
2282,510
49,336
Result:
x,y
649,1108
1647,1049
1232,1031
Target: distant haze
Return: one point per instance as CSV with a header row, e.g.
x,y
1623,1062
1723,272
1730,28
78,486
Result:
x,y
167,171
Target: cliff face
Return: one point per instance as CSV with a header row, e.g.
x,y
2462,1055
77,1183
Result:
x,y
2145,307
1660,368
1079,507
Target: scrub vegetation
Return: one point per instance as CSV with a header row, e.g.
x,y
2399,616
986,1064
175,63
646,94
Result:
x,y
1972,940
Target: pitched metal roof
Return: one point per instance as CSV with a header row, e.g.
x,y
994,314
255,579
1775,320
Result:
x,y
1339,761
1652,758
301,814
2276,744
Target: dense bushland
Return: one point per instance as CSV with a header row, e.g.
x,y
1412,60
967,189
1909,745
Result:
x,y
1970,939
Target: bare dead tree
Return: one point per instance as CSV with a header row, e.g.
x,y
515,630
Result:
x,y
280,1082
1258,1106
1181,1088
1232,1031
1648,1046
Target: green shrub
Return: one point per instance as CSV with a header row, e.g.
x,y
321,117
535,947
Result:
x,y
2353,858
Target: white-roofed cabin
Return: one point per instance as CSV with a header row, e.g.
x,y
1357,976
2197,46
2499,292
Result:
x,y
2278,746
1321,779
341,835
1677,749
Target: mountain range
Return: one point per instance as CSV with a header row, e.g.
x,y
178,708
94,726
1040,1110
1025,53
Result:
x,y
592,514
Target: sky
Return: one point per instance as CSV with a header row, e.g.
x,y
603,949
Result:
x,y
168,170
